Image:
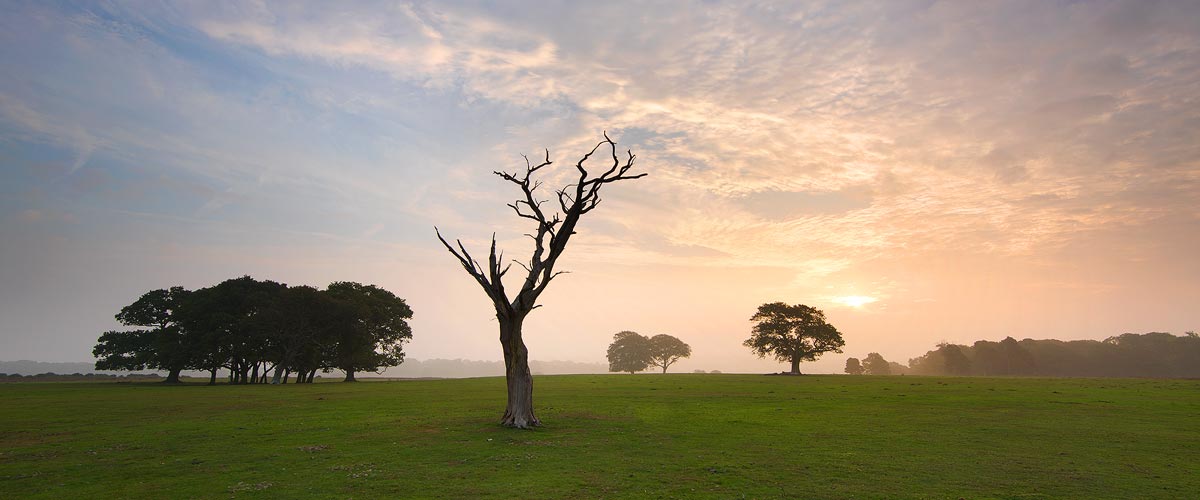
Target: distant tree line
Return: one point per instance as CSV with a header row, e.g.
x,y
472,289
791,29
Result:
x,y
1156,354
874,364
76,377
259,331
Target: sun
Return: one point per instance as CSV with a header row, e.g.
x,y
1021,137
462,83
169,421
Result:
x,y
855,301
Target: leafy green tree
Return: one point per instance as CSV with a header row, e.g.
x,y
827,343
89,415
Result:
x,y
874,364
629,352
160,345
665,350
853,367
792,333
376,330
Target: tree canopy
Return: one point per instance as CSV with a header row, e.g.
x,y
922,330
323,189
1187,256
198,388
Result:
x,y
792,333
160,344
874,364
665,350
629,352
853,367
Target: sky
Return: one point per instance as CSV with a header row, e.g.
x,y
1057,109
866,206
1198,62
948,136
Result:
x,y
921,171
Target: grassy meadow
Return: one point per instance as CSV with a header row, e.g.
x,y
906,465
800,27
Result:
x,y
607,436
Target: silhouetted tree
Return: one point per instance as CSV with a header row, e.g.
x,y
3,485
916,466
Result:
x,y
304,324
853,367
874,364
553,231
665,350
375,331
987,358
229,326
128,350
792,334
955,361
629,352
1017,361
161,346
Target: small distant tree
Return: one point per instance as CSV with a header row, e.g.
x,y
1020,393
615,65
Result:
x,y
792,333
853,367
874,364
665,350
629,352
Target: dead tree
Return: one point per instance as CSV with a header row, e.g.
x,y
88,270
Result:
x,y
554,229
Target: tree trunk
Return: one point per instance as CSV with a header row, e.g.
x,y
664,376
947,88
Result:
x,y
664,368
254,374
519,412
212,377
173,376
311,376
350,376
795,366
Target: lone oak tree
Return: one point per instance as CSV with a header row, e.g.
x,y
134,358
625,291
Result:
x,y
792,334
549,240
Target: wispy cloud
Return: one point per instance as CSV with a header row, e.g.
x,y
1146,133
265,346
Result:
x,y
833,142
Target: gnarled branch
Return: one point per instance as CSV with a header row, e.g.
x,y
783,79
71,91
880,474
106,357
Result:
x,y
553,230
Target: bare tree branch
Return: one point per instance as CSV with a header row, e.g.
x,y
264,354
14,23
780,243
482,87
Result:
x,y
552,230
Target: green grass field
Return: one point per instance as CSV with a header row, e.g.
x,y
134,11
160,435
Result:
x,y
607,436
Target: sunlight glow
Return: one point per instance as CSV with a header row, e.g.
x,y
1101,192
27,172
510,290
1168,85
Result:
x,y
855,300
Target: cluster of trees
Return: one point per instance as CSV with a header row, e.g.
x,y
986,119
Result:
x,y
874,364
1153,354
253,328
632,352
